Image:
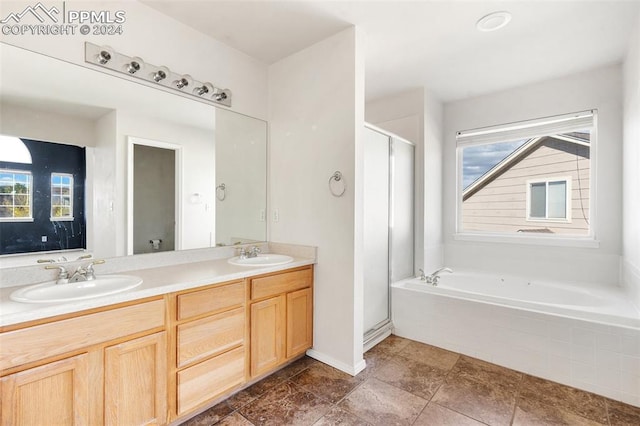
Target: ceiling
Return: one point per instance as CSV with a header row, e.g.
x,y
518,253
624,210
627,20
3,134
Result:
x,y
431,44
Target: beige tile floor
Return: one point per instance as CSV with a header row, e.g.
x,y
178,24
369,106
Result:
x,y
410,383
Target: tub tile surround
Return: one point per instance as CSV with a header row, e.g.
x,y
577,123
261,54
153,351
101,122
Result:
x,y
599,358
161,273
462,391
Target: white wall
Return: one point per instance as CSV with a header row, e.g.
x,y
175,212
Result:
x,y
241,164
433,181
631,168
198,175
159,40
601,89
316,118
46,125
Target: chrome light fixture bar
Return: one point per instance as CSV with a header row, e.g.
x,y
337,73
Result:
x,y
135,67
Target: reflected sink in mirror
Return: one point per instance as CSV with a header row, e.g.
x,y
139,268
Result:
x,y
262,260
50,292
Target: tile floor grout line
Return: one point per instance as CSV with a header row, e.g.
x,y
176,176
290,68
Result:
x,y
385,357
515,403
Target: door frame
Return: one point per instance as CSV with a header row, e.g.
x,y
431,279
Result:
x,y
131,142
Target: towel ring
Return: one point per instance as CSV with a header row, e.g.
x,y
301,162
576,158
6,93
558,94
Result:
x,y
221,192
337,177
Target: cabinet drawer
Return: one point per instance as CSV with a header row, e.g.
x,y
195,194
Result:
x,y
213,299
209,379
47,340
280,283
211,335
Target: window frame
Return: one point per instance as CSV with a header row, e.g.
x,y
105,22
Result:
x,y
527,128
30,194
67,218
567,200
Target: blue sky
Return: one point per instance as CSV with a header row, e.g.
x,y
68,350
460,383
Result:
x,y
477,160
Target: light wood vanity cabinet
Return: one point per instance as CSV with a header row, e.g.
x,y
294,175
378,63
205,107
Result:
x,y
156,360
211,333
107,367
281,318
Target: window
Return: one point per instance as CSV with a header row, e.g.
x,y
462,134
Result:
x,y
15,196
61,196
548,200
526,179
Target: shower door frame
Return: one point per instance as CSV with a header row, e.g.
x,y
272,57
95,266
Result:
x,y
380,330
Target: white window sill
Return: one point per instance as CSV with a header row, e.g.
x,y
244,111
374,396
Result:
x,y
537,240
61,219
16,219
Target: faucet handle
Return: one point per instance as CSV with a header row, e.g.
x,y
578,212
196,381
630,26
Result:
x,y
46,261
89,272
255,250
422,276
85,256
63,276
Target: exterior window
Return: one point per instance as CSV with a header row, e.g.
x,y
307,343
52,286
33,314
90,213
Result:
x,y
61,196
528,178
15,196
548,200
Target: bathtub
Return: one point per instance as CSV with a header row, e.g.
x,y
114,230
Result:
x,y
582,335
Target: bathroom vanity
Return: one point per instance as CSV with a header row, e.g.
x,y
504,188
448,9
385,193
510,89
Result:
x,y
155,359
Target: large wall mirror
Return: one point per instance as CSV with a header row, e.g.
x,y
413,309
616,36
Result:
x,y
209,162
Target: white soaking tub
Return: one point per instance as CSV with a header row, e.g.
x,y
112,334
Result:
x,y
582,335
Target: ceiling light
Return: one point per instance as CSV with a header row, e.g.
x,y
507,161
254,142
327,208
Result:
x,y
493,21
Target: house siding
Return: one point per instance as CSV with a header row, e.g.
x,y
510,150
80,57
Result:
x,y
501,204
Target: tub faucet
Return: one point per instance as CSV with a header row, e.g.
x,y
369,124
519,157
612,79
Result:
x,y
435,277
422,276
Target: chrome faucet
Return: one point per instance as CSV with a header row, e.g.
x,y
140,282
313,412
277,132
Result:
x,y
85,273
82,273
435,277
252,252
422,276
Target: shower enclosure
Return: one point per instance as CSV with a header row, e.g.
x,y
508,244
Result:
x,y
388,225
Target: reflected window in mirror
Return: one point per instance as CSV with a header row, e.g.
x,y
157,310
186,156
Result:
x,y
61,196
15,196
42,199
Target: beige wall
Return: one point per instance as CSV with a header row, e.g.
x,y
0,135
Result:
x,y
501,205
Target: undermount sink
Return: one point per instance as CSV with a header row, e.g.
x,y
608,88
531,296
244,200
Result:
x,y
50,292
262,260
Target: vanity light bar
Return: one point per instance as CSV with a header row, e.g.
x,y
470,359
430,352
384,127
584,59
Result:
x,y
106,57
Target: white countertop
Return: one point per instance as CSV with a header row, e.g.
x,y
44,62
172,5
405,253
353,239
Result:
x,y
156,281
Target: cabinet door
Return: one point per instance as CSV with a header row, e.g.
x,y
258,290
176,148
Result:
x,y
136,381
268,319
299,321
55,393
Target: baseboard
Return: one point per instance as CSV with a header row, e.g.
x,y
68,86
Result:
x,y
326,359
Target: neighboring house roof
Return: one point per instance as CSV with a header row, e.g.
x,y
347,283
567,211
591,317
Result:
x,y
578,138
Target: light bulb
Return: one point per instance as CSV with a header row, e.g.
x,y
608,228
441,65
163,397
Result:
x,y
104,55
183,81
135,65
160,74
203,89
